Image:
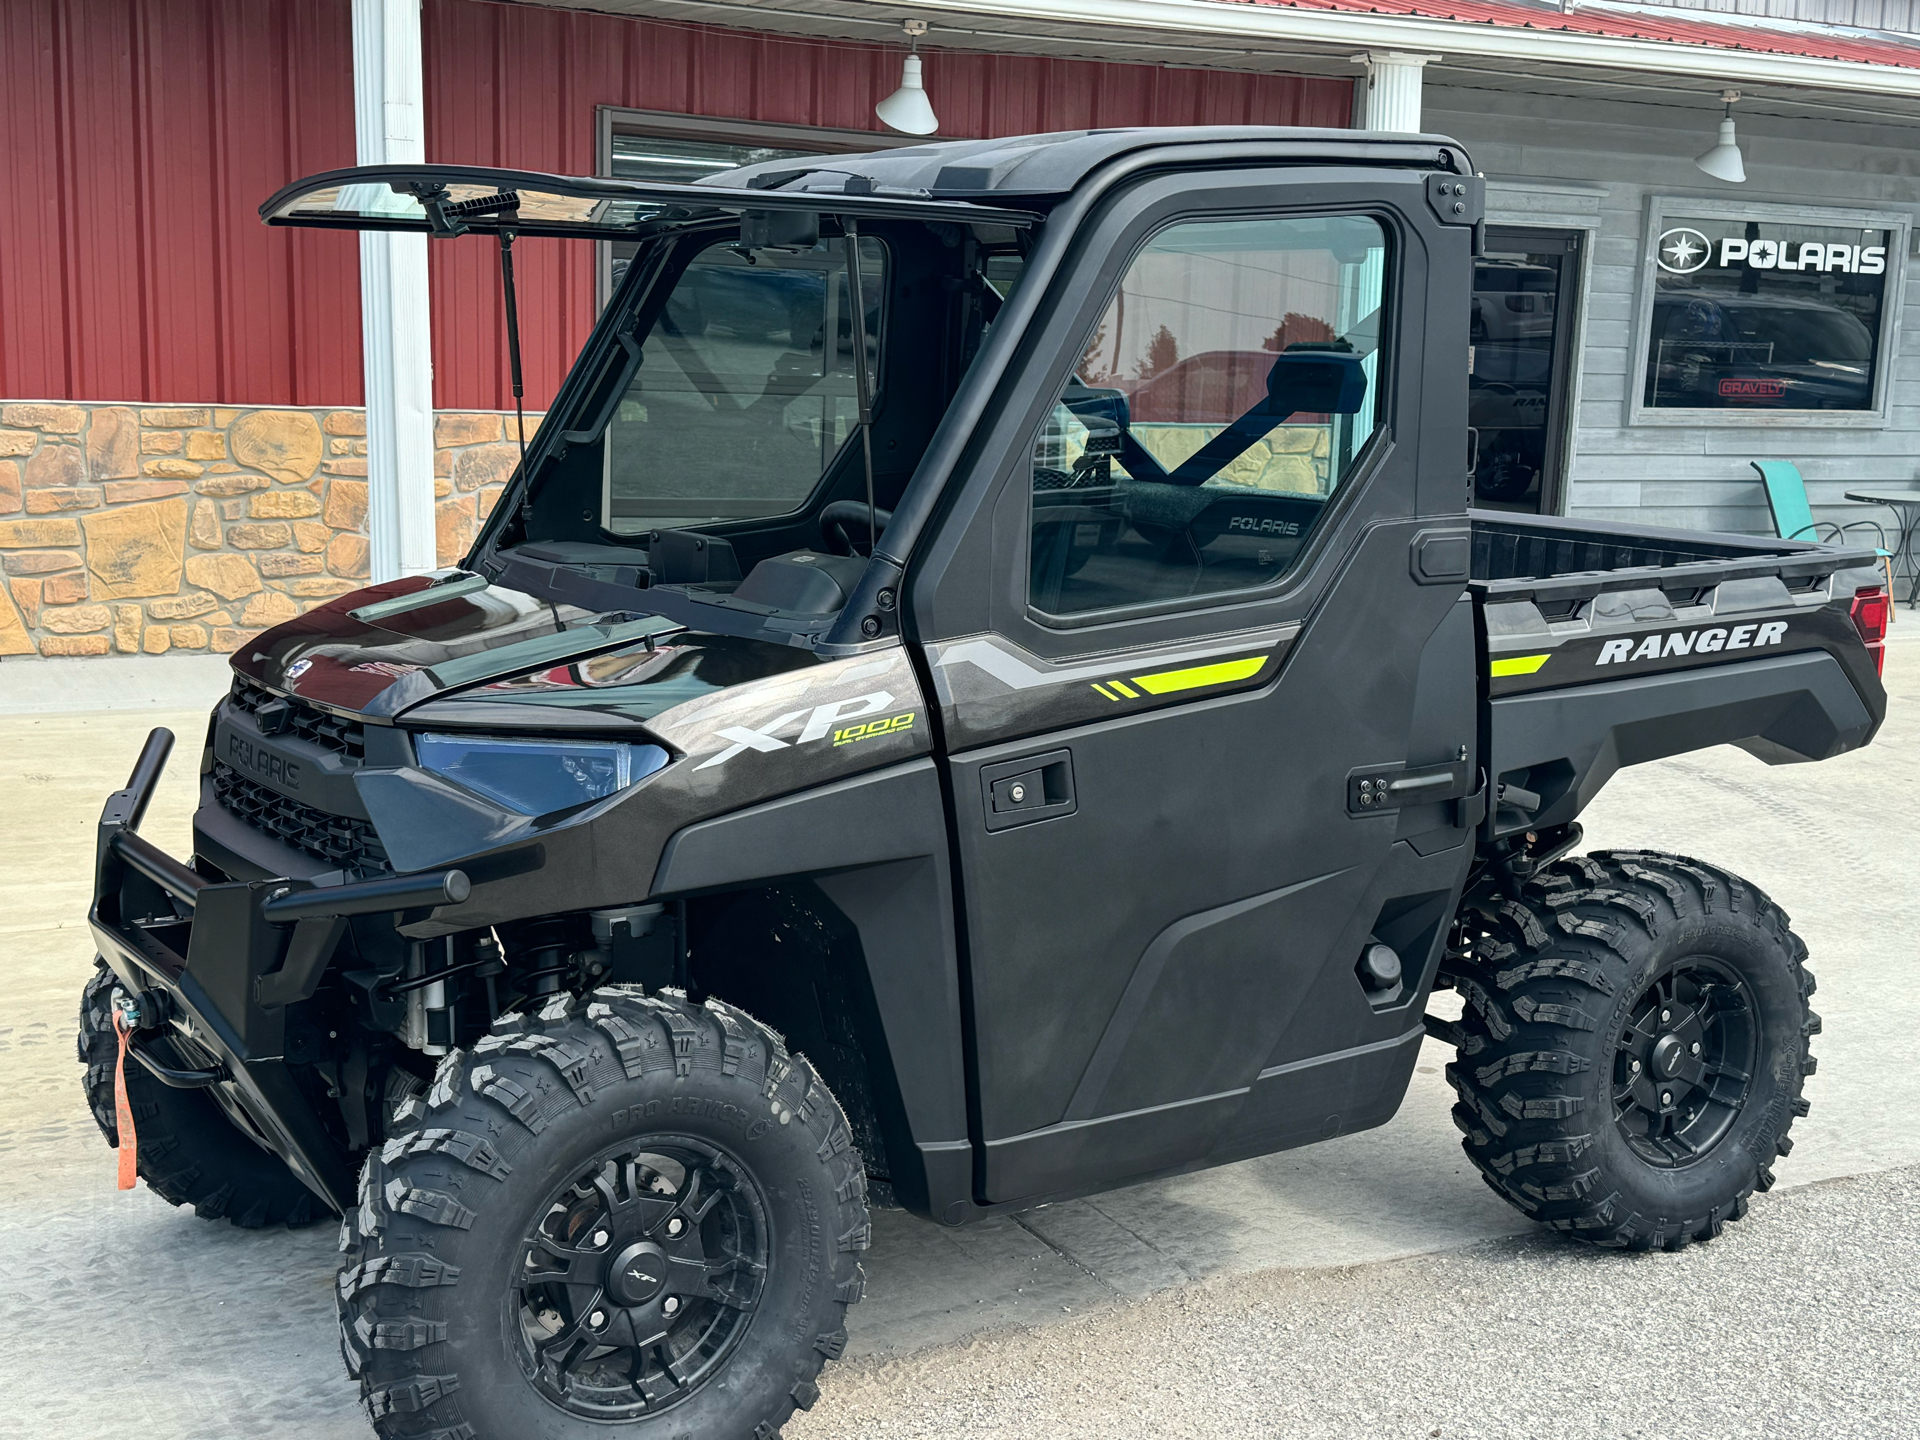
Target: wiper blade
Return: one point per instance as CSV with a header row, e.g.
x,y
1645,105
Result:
x,y
575,643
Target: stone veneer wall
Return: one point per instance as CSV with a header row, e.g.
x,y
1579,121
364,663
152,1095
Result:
x,y
149,529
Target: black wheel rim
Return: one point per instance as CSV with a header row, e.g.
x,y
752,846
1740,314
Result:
x,y
1684,1064
639,1277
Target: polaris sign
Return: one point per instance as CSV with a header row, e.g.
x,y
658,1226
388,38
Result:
x,y
1684,250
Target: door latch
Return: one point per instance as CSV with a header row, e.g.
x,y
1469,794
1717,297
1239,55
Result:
x,y
1374,789
1033,788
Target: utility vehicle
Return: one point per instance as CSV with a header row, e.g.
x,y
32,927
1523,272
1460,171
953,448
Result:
x,y
862,760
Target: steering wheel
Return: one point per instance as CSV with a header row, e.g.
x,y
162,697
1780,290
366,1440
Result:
x,y
843,526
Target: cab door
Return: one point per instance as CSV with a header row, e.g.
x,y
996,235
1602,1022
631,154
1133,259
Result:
x,y
1206,675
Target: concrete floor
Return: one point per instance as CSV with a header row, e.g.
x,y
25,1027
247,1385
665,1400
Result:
x,y
219,1332
1802,1322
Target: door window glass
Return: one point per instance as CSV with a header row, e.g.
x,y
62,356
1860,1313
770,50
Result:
x,y
1217,407
1758,315
746,387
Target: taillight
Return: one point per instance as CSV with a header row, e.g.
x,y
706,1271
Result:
x,y
1870,612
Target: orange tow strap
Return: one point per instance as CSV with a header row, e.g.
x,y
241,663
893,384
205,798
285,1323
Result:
x,y
123,1109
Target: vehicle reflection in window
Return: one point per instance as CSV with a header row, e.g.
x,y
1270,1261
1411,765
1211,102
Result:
x,y
1783,351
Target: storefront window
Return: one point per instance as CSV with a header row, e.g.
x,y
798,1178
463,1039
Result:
x,y
651,145
656,157
1760,315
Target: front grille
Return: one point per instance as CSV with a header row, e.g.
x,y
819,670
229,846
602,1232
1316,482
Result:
x,y
350,844
330,732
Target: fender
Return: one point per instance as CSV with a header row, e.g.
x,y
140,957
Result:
x,y
876,844
1564,744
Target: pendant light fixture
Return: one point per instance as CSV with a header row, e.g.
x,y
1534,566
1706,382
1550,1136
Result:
x,y
907,109
1723,162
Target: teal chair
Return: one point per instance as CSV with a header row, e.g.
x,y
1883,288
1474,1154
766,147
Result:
x,y
1794,519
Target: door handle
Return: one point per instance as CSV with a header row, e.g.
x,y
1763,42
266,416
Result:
x,y
1033,788
1374,789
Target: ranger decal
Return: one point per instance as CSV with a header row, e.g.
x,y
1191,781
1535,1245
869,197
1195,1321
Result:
x,y
1693,642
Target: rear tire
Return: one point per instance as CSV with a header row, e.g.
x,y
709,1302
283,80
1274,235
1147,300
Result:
x,y
189,1153
1632,1046
630,1215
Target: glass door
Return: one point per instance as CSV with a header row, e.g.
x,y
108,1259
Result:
x,y
1520,346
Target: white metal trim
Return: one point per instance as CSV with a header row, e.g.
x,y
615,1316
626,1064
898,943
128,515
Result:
x,y
1318,40
396,320
1355,31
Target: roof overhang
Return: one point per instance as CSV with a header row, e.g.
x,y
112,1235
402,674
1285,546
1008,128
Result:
x,y
1307,39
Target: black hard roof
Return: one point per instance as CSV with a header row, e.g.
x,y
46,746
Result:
x,y
1002,183
1054,164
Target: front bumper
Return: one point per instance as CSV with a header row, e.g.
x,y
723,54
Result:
x,y
218,964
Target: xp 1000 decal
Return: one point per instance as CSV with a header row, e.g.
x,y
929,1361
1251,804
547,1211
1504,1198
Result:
x,y
811,724
815,724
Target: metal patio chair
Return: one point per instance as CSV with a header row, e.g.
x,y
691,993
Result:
x,y
1794,518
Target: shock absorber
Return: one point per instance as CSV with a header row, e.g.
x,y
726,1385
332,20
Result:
x,y
543,957
430,1022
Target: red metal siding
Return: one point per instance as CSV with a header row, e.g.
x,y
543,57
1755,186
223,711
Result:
x,y
512,84
138,136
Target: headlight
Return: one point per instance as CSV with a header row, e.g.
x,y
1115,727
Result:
x,y
536,777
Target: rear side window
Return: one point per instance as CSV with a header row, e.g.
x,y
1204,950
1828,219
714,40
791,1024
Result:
x,y
1217,408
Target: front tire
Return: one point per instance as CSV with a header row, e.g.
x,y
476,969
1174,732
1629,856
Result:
x,y
631,1215
1632,1046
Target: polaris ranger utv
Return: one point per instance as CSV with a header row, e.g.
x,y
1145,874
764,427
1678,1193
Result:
x,y
985,687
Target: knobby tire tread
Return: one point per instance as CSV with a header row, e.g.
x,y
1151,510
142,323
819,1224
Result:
x,y
1549,961
454,1148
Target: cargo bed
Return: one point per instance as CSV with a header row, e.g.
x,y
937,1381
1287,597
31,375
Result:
x,y
1610,645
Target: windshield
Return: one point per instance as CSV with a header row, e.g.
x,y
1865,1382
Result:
x,y
746,388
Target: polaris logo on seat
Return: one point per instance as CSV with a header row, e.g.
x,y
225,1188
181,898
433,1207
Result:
x,y
1261,525
1693,642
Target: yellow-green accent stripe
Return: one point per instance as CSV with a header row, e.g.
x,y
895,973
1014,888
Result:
x,y
1517,665
1221,673
1125,689
1104,690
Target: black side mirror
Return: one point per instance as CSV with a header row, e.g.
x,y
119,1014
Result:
x,y
1316,382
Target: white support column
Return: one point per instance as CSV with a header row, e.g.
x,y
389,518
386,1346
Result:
x,y
396,339
1391,99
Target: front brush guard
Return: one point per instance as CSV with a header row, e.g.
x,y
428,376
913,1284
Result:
x,y
218,962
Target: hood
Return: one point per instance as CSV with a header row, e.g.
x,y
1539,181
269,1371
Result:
x,y
511,658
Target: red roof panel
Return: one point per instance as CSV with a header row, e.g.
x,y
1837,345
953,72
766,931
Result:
x,y
1625,25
